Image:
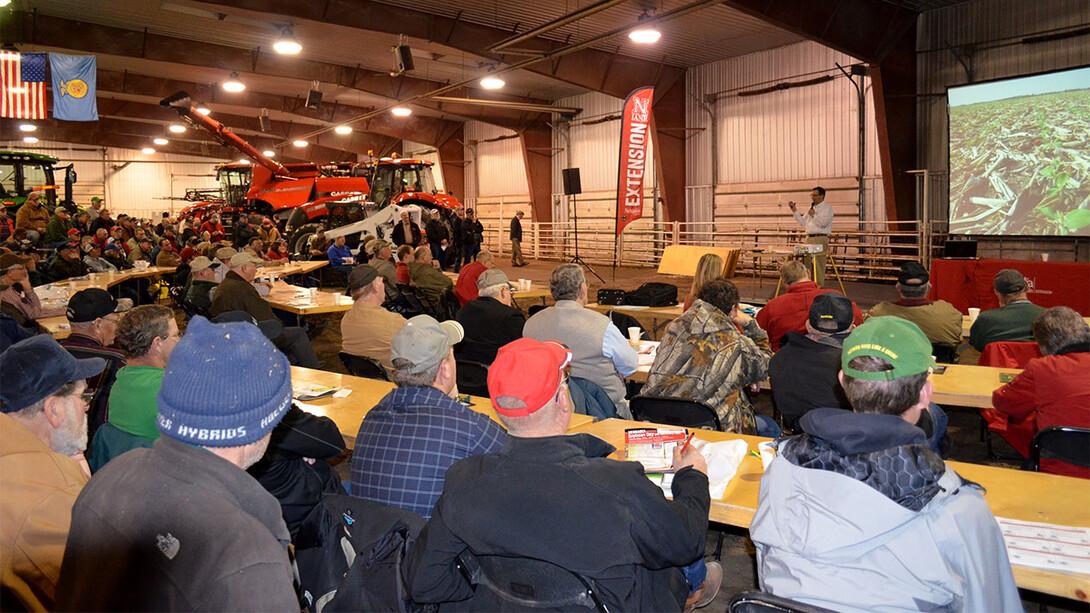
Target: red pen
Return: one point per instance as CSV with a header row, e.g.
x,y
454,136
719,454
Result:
x,y
687,441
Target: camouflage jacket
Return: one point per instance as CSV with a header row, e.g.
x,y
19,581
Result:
x,y
703,356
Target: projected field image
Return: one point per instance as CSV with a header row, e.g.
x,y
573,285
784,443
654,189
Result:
x,y
1020,164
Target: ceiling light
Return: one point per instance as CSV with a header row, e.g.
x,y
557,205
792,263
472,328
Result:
x,y
30,140
27,127
300,143
645,35
233,84
401,111
160,141
492,83
176,128
269,153
147,151
203,111
343,129
287,43
243,161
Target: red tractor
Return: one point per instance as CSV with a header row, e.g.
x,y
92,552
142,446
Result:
x,y
301,197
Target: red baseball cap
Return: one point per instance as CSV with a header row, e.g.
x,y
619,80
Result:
x,y
526,372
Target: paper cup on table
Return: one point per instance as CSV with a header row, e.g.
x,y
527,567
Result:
x,y
767,449
313,293
634,335
973,314
529,284
1044,257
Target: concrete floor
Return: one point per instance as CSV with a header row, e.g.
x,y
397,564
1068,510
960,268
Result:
x,y
738,558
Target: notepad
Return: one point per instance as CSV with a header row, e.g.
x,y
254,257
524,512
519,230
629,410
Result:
x,y
653,447
1047,546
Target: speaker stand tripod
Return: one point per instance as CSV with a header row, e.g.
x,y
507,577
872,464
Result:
x,y
577,259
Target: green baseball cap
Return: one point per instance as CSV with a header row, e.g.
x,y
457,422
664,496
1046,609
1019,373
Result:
x,y
897,341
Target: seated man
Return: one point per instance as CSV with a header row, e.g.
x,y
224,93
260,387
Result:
x,y
466,287
602,354
406,443
367,328
938,319
237,293
94,260
92,314
558,498
19,291
1054,390
148,335
181,526
201,285
857,514
167,257
703,357
427,277
404,258
1013,320
43,432
804,373
67,264
340,256
791,310
142,251
382,260
490,321
57,229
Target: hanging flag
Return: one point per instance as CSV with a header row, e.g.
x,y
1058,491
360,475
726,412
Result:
x,y
635,123
22,91
74,87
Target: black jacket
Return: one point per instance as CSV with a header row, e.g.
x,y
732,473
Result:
x,y
399,237
437,231
244,233
472,231
297,484
803,375
516,228
62,269
559,499
489,324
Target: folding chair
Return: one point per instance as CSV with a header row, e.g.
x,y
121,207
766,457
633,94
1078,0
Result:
x,y
675,412
763,602
532,583
1063,443
363,366
473,378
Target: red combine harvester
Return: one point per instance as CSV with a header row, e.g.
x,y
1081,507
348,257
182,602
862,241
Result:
x,y
345,198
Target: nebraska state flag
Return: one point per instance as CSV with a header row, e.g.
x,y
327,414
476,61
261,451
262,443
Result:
x,y
74,87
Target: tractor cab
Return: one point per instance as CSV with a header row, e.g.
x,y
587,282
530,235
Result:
x,y
22,173
234,182
392,177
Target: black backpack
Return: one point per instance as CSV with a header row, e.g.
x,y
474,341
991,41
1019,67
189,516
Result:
x,y
349,552
611,297
653,295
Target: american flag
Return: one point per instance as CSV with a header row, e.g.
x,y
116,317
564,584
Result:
x,y
22,87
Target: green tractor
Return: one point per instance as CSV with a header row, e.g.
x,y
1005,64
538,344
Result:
x,y
22,173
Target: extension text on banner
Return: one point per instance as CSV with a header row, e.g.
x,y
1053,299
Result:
x,y
23,85
635,130
74,87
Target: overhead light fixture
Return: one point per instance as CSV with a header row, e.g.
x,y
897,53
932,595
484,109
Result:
x,y
160,141
492,83
203,111
645,35
30,140
401,111
233,84
243,161
287,44
147,151
300,143
176,128
343,129
27,127
269,153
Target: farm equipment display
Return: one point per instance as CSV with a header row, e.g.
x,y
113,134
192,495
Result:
x,y
22,173
302,197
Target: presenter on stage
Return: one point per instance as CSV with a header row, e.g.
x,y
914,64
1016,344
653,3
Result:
x,y
818,222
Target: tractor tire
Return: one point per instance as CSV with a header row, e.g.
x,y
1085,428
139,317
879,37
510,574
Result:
x,y
297,244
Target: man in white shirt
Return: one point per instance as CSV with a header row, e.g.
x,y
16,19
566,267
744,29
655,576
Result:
x,y
818,222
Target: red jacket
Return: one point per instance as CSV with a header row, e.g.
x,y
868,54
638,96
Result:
x,y
791,311
466,287
1055,388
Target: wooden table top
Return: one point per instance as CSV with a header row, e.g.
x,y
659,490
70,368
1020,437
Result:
x,y
366,393
105,280
297,300
966,323
1013,494
293,268
57,327
670,311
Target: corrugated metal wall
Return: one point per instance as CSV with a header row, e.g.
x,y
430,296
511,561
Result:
x,y
994,29
421,151
773,147
496,168
143,187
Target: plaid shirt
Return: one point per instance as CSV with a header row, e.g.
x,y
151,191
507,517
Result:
x,y
408,441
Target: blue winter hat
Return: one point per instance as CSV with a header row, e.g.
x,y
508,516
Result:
x,y
35,368
226,385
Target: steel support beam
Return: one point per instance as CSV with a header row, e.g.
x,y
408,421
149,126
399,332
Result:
x,y
452,162
668,137
113,133
537,143
894,85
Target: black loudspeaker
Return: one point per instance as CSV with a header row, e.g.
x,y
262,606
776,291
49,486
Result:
x,y
403,57
314,99
571,181
266,124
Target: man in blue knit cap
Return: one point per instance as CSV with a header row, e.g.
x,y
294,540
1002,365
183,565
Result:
x,y
182,526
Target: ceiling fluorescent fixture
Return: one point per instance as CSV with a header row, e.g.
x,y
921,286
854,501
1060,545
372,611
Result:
x,y
27,127
343,130
147,151
30,140
287,44
401,111
646,34
176,128
160,141
203,110
300,143
233,84
269,153
491,82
